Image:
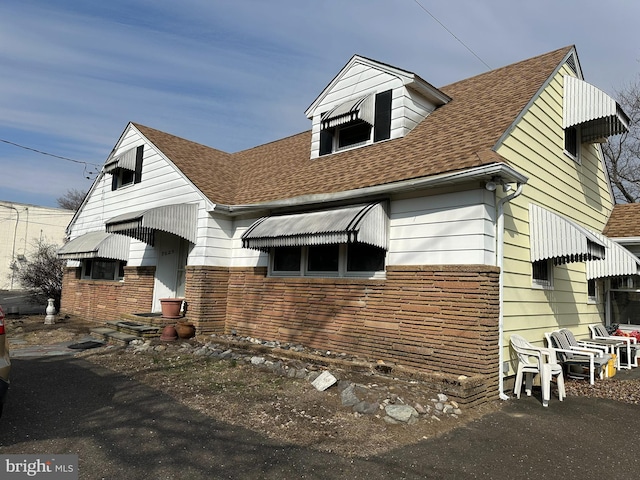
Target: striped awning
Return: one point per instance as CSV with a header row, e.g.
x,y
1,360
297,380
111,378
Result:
x,y
360,108
127,161
553,236
598,115
179,219
360,223
96,245
618,262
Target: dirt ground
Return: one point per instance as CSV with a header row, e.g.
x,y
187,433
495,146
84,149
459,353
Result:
x,y
287,409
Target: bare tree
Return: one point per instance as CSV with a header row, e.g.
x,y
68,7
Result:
x,y
72,199
41,273
622,153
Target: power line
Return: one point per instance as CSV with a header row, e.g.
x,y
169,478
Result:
x,y
50,154
452,34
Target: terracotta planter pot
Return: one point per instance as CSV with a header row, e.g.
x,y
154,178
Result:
x,y
171,307
169,334
185,330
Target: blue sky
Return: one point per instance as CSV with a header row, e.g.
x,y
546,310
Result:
x,y
239,73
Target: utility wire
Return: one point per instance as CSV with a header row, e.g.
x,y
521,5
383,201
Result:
x,y
49,154
452,34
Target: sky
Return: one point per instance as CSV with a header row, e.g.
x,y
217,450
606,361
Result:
x,y
233,74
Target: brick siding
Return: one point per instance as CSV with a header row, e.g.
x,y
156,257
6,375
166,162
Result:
x,y
100,300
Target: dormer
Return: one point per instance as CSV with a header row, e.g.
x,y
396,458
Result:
x,y
369,102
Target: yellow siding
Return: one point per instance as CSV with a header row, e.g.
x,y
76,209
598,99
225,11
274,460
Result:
x,y
578,191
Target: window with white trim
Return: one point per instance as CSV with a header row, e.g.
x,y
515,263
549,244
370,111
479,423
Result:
x,y
103,269
542,273
335,260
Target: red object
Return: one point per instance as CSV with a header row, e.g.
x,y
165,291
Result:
x,y
1,322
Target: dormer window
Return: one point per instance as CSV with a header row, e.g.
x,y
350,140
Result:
x,y
359,121
126,169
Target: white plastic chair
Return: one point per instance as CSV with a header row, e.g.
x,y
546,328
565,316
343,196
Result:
x,y
536,360
629,344
593,359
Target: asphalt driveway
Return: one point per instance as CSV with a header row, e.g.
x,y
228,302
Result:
x,y
121,429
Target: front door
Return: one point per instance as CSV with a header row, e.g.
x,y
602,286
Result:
x,y
171,252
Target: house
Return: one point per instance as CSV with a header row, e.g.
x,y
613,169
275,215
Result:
x,y
622,297
412,225
23,225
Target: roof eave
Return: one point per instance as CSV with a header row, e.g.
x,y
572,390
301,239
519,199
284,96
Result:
x,y
483,173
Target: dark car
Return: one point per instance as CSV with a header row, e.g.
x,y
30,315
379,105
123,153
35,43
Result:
x,y
5,363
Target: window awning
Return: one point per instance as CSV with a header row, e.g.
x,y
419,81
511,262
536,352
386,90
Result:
x,y
180,219
556,237
127,161
618,262
598,115
96,245
361,223
360,108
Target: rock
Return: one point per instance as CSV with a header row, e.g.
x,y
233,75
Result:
x,y
257,360
442,398
457,411
439,406
342,384
366,407
447,409
420,409
454,404
349,397
324,381
401,413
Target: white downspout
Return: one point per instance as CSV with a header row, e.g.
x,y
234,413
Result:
x,y
500,265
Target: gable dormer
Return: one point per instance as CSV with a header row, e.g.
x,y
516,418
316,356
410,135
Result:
x,y
369,102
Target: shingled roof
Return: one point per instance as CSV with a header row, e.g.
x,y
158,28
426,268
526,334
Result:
x,y
456,136
623,221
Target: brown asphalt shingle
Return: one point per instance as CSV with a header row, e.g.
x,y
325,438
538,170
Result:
x,y
457,136
623,221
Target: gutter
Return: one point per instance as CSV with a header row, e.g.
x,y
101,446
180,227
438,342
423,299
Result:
x,y
483,173
500,264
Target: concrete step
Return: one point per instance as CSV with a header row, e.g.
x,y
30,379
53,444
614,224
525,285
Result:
x,y
137,329
112,336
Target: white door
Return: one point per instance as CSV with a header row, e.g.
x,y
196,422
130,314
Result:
x,y
167,248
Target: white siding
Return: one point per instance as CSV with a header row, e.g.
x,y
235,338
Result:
x,y
162,184
408,108
447,229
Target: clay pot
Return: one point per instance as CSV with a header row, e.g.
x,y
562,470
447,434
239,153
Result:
x,y
185,330
171,307
169,334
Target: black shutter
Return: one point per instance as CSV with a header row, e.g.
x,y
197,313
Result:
x,y
326,142
382,127
138,172
114,179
